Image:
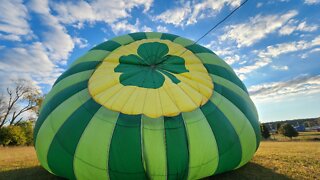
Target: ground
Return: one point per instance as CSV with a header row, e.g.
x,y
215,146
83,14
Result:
x,y
297,159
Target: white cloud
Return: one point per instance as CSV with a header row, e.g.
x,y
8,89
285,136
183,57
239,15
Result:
x,y
278,49
191,12
176,16
306,55
56,40
39,60
265,56
124,27
80,42
259,4
14,20
280,68
29,62
105,11
145,28
311,2
211,5
232,59
162,29
300,85
229,53
249,68
294,25
257,28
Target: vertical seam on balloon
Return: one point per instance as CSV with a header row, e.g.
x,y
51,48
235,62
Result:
x,y
80,74
146,171
109,145
244,119
84,131
218,158
49,124
36,130
165,148
62,125
188,148
252,124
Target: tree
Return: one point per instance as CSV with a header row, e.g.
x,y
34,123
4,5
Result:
x,y
27,128
264,131
288,130
12,135
278,127
19,99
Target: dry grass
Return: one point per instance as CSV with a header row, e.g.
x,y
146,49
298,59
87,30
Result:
x,y
298,160
274,160
21,163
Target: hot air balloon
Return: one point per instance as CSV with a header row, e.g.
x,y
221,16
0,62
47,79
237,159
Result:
x,y
146,106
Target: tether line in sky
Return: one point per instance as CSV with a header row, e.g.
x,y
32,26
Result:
x,y
221,21
215,26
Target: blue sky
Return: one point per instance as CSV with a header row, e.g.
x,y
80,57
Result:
x,y
273,45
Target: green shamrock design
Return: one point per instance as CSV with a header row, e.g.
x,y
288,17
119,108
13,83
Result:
x,y
149,68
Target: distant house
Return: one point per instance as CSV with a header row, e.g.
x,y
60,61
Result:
x,y
300,128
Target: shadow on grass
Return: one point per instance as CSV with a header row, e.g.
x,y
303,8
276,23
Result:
x,y
28,173
249,171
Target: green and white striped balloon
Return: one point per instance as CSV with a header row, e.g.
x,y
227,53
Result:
x,y
146,106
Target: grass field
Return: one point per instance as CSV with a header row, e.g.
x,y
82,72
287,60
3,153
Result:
x,y
273,160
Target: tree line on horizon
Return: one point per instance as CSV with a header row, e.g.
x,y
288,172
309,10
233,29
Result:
x,y
285,129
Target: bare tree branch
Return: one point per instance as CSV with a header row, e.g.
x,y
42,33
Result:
x,y
22,97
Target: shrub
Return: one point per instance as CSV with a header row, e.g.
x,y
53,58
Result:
x,y
264,131
289,131
12,135
27,127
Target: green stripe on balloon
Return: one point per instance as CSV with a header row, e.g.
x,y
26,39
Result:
x,y
54,121
203,150
56,101
93,55
229,146
138,36
125,154
240,123
78,68
196,48
63,146
107,46
123,40
236,89
170,37
177,148
222,72
153,35
210,58
183,41
245,108
154,147
92,152
65,83
243,96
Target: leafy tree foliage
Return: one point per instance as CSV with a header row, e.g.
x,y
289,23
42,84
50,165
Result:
x,y
12,135
27,127
264,131
288,130
278,127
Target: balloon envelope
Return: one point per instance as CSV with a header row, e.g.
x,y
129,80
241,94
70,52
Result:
x,y
146,106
